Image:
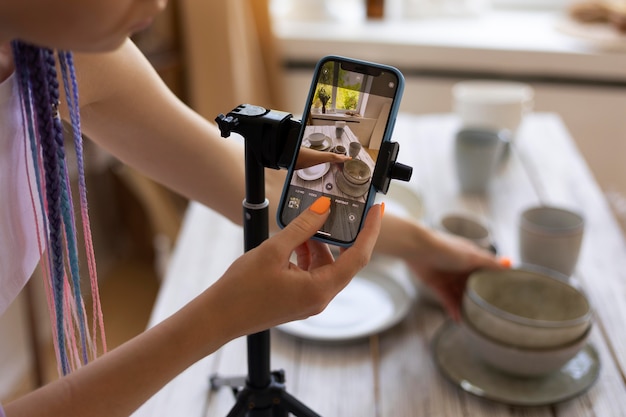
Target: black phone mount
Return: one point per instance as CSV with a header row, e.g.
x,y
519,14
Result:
x,y
271,138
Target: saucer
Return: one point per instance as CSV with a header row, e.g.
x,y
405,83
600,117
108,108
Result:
x,y
325,145
353,190
472,375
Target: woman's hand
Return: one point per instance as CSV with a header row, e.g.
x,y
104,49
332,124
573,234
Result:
x,y
263,288
308,157
446,265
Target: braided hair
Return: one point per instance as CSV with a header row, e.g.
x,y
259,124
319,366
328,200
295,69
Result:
x,y
38,83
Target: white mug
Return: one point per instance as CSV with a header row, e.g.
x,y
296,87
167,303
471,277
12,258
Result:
x,y
492,104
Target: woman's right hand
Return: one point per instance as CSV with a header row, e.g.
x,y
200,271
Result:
x,y
263,288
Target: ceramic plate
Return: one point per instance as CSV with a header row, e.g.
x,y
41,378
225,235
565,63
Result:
x,y
472,375
371,303
313,173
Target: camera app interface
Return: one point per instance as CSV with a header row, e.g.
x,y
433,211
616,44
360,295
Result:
x,y
348,115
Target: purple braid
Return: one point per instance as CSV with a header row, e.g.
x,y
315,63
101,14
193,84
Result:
x,y
35,71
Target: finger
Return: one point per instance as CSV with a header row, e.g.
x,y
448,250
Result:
x,y
304,226
320,254
353,259
303,256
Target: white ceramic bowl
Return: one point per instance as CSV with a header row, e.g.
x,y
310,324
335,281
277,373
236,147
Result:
x,y
526,308
317,139
524,362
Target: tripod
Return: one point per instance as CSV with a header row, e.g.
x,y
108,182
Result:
x,y
271,141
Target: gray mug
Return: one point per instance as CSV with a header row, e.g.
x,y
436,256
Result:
x,y
551,237
477,152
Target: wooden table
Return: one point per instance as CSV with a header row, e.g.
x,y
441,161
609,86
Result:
x,y
393,373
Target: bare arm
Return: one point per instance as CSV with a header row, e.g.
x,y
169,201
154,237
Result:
x,y
129,111
120,381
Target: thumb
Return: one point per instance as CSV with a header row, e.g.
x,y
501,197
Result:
x,y
303,227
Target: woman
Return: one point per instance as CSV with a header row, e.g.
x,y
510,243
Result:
x,y
127,110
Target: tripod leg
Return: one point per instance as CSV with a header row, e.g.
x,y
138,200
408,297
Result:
x,y
295,406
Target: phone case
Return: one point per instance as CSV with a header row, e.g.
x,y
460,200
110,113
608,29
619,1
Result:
x,y
380,132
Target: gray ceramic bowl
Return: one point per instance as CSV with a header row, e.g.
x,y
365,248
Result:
x,y
317,139
356,171
526,308
524,362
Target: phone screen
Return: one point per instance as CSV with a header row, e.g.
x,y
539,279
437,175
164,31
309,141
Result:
x,y
350,110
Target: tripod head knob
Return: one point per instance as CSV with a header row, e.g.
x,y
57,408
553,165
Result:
x,y
226,124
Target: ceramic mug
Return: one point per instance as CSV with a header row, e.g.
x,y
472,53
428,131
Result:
x,y
468,227
477,152
492,104
339,126
551,237
354,149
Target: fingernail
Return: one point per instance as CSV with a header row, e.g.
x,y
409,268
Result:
x,y
321,205
382,209
505,262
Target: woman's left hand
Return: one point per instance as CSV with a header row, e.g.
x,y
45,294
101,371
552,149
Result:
x,y
446,265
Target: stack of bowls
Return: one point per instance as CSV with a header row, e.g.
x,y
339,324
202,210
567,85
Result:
x,y
522,322
355,178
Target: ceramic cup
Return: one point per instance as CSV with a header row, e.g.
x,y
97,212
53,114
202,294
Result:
x,y
339,125
354,149
477,152
551,237
468,227
340,149
492,104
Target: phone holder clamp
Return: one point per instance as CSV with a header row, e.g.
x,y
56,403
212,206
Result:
x,y
388,169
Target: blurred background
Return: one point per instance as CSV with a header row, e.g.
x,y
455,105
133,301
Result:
x,y
217,54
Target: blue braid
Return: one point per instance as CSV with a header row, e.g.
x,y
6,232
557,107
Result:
x,y
67,210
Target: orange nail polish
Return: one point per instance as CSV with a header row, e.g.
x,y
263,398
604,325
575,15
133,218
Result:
x,y
382,209
505,262
321,205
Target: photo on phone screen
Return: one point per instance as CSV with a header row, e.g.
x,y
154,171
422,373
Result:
x,y
350,110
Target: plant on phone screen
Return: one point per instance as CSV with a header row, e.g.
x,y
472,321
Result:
x,y
324,97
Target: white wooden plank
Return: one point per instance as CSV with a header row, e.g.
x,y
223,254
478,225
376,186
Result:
x,y
193,268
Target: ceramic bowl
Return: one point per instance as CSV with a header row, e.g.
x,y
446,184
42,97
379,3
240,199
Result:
x,y
357,171
317,139
526,308
523,362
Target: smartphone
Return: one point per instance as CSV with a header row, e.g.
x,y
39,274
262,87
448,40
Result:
x,y
350,110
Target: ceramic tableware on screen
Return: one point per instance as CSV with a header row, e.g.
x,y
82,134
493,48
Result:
x,y
339,126
354,148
